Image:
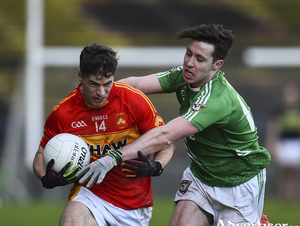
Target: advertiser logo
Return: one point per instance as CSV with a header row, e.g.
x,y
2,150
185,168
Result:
x,y
229,223
82,157
99,118
100,150
78,155
82,152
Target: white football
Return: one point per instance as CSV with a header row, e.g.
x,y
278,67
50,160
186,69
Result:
x,y
64,148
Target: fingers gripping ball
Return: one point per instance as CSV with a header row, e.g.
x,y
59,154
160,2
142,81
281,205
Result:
x,y
65,176
64,148
145,168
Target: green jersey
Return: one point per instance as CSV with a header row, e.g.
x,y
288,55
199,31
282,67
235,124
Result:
x,y
225,152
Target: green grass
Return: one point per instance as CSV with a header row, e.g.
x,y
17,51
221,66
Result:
x,y
282,213
162,211
48,214
33,214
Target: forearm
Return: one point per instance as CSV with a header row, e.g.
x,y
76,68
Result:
x,y
149,143
38,164
159,138
133,81
165,156
147,84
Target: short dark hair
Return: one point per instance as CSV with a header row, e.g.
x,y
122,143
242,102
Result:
x,y
98,59
214,34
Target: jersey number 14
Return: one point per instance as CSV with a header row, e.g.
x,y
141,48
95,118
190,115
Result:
x,y
100,126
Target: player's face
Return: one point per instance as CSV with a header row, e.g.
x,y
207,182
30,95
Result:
x,y
95,89
198,66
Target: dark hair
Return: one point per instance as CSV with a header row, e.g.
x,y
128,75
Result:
x,y
214,34
98,59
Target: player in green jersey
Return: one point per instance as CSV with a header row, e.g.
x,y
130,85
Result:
x,y
225,182
225,152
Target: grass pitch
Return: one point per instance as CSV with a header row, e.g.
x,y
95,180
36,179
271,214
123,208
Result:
x,y
48,214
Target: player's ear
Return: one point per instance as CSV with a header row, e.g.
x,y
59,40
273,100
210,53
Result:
x,y
218,64
79,75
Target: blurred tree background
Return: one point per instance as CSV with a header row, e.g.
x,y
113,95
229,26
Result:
x,y
152,23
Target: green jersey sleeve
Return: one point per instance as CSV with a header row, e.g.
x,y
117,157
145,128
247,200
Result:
x,y
171,80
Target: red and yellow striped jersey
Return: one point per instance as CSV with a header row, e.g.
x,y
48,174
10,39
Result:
x,y
125,116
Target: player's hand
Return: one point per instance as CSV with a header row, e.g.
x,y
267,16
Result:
x,y
63,177
138,169
97,170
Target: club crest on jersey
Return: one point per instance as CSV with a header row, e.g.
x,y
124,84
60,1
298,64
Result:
x,y
184,185
158,121
121,122
174,69
198,107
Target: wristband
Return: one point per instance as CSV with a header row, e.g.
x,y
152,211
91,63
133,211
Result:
x,y
117,155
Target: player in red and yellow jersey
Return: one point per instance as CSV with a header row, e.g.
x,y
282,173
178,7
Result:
x,y
107,115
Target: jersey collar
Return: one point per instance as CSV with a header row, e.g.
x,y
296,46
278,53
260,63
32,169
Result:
x,y
197,89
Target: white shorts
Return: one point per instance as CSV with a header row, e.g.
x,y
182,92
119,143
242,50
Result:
x,y
242,204
288,152
107,214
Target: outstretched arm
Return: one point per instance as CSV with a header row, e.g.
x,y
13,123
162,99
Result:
x,y
154,140
147,84
159,138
